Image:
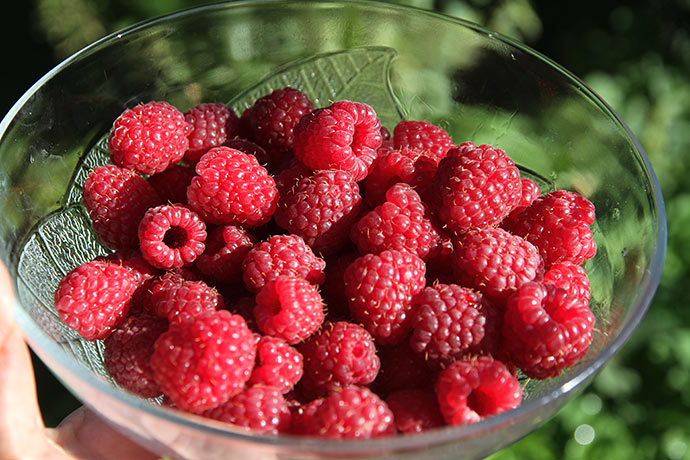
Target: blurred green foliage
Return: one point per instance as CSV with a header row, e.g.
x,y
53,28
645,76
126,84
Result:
x,y
636,55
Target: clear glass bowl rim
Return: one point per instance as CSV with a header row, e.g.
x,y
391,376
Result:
x,y
38,339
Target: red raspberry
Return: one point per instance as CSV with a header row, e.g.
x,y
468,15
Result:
x,y
272,119
340,354
226,248
116,200
281,255
399,223
149,138
343,136
171,236
448,320
332,291
201,364
495,262
530,192
321,208
132,260
277,364
250,148
405,165
184,301
171,184
401,369
290,308
380,288
433,141
232,188
475,187
94,298
570,277
415,410
128,351
288,178
260,409
350,413
559,225
546,330
212,124
472,390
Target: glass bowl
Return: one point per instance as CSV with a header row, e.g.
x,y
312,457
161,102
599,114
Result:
x,y
407,63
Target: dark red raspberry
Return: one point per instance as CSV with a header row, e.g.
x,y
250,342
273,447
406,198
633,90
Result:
x,y
570,277
340,354
272,119
433,141
332,291
277,364
281,255
212,124
399,223
149,138
250,148
290,308
415,410
448,320
127,352
343,136
171,236
495,262
243,306
474,389
401,369
288,178
475,187
184,301
406,165
558,224
232,188
171,184
321,208
116,200
201,364
259,408
380,288
94,298
350,413
546,330
226,248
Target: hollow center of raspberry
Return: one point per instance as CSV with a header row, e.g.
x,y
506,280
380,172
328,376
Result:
x,y
481,402
175,237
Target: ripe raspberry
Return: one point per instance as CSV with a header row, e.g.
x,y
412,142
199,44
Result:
x,y
250,148
350,413
116,200
272,119
290,308
472,390
171,184
546,330
281,255
530,192
277,364
184,301
570,277
321,208
495,262
405,165
94,298
128,351
226,248
260,409
343,136
401,369
288,178
132,260
332,289
232,188
448,320
558,224
475,187
149,138
380,289
201,364
171,236
243,306
433,141
212,124
399,223
340,354
415,410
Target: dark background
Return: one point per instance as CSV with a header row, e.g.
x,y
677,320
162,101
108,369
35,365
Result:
x,y
636,55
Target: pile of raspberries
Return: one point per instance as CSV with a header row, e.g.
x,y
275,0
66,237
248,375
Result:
x,y
302,270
